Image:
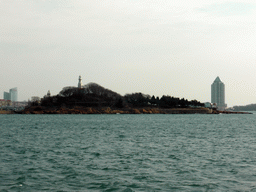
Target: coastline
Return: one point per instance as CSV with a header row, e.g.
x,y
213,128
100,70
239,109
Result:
x,y
6,112
108,110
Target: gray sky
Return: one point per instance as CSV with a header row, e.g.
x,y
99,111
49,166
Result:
x,y
157,47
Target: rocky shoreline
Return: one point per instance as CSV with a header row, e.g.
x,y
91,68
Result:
x,y
108,110
6,112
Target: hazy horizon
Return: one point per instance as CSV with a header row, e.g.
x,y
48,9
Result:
x,y
154,47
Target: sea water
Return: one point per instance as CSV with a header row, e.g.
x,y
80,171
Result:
x,y
128,152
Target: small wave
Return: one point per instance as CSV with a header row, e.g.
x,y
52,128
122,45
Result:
x,y
96,154
127,190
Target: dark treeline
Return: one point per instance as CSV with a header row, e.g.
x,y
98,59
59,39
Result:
x,y
142,100
94,95
251,107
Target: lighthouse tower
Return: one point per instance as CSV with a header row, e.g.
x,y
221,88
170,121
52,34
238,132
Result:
x,y
80,82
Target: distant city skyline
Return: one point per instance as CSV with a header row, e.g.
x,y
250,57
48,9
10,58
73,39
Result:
x,y
155,47
11,95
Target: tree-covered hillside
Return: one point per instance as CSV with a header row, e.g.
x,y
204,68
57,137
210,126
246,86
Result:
x,y
94,95
250,107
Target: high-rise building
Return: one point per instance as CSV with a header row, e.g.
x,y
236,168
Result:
x,y
218,94
12,95
7,96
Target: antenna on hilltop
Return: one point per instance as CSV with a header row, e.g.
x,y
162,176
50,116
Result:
x,y
79,82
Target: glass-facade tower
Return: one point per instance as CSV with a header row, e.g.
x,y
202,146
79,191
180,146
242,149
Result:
x,y
14,94
218,94
7,96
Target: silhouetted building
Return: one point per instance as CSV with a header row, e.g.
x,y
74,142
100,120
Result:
x,y
218,94
48,93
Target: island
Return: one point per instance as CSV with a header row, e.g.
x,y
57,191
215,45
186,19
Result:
x,y
95,99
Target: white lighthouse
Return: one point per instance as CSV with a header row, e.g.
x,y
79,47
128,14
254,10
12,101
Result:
x,y
80,82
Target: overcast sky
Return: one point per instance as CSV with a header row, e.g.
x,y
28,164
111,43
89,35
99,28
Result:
x,y
157,47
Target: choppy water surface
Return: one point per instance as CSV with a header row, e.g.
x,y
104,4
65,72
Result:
x,y
127,153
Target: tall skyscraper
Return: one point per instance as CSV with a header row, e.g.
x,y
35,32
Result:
x,y
218,94
14,94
